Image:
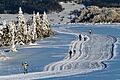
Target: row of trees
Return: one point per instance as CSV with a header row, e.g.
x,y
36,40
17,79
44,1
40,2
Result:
x,y
25,32
11,6
106,3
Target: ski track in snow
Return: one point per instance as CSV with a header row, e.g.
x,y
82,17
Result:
x,y
86,60
89,57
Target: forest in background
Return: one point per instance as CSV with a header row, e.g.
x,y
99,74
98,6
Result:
x,y
28,6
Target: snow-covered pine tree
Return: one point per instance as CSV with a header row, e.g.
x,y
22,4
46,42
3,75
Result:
x,y
45,22
6,36
46,26
12,26
22,28
39,29
34,34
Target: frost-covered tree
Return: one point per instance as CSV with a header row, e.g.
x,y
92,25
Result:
x,y
6,36
46,26
34,27
39,29
22,27
42,26
45,22
2,35
12,26
21,21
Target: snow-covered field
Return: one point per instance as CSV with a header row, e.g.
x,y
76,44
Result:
x,y
96,58
49,59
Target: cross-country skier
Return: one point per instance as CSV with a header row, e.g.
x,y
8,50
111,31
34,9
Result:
x,y
90,31
80,37
25,67
70,54
74,51
85,38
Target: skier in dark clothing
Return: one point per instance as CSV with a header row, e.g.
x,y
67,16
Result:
x,y
25,67
90,31
80,37
74,51
70,53
85,38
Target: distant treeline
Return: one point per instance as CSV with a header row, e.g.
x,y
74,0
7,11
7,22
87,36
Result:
x,y
28,6
64,0
76,1
106,3
100,3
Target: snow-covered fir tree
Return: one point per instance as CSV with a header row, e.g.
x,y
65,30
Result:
x,y
46,25
34,26
21,21
22,27
45,21
20,32
12,26
39,26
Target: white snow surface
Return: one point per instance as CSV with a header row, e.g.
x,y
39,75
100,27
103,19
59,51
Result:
x,y
90,55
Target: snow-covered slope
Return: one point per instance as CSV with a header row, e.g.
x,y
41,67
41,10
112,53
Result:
x,y
63,17
89,57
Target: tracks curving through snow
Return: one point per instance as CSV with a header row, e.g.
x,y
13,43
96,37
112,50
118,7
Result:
x,y
90,56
